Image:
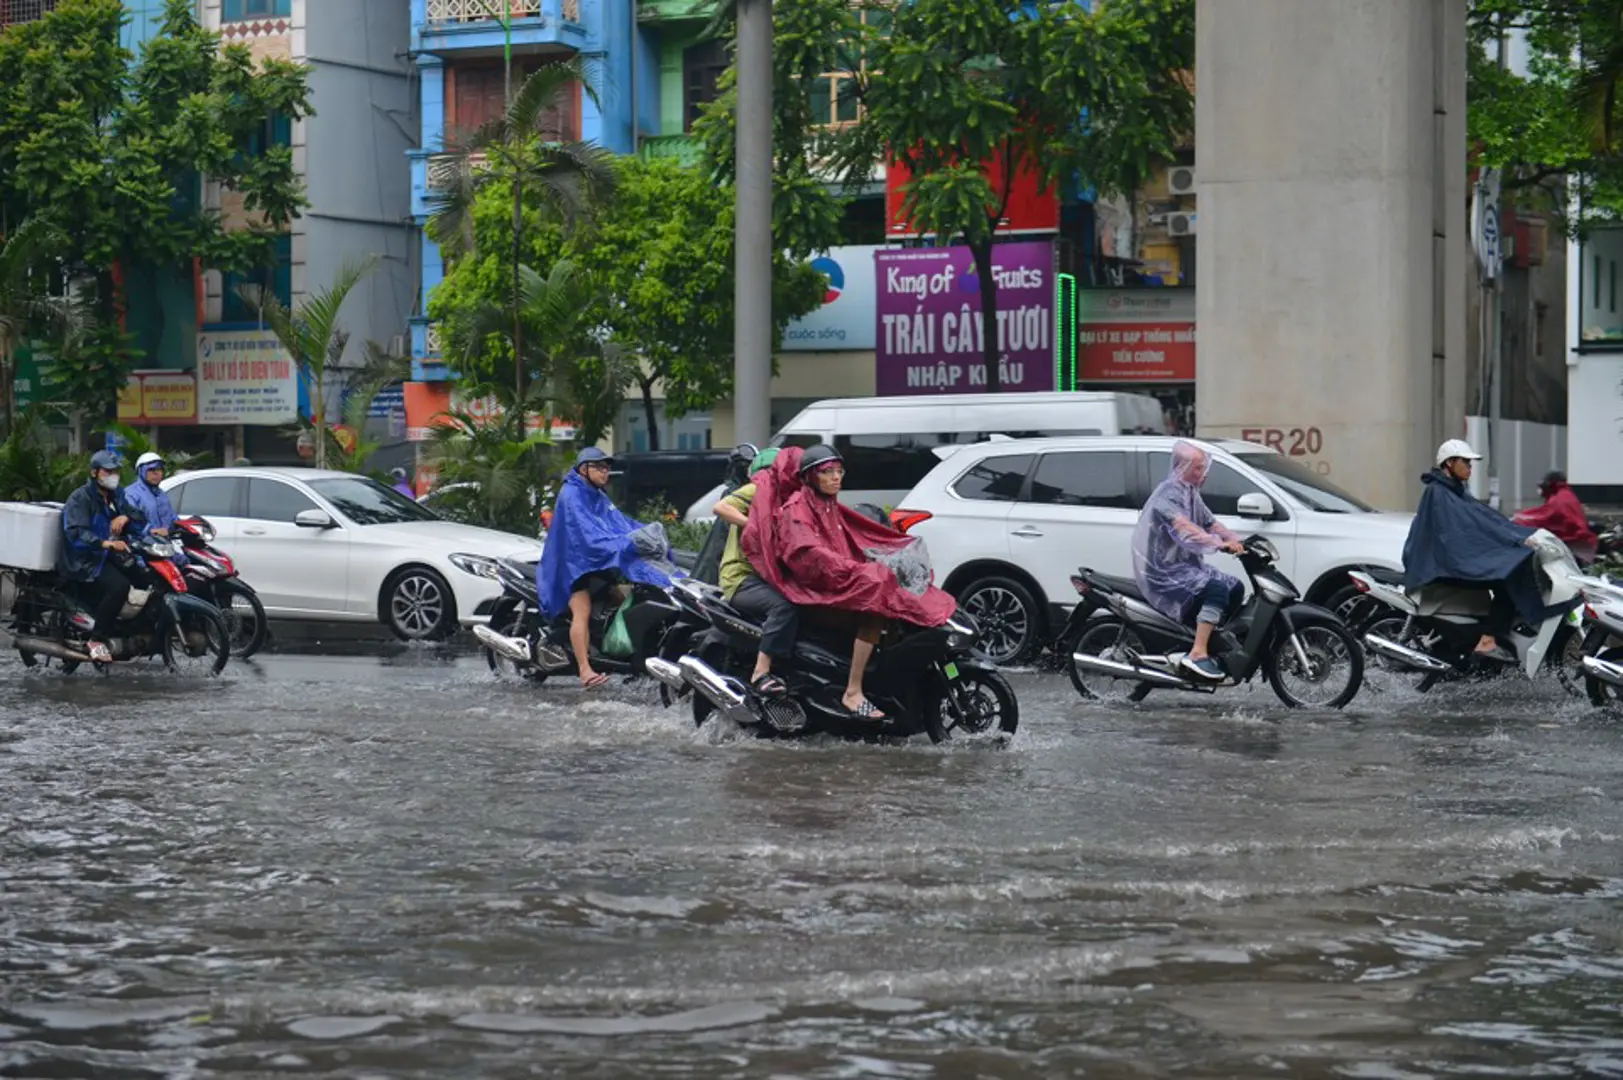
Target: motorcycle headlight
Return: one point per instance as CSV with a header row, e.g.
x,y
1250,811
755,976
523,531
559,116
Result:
x,y
961,631
477,565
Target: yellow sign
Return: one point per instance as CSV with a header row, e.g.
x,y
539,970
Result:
x,y
129,400
158,397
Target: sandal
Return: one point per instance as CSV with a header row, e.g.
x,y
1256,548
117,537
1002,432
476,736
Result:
x,y
769,685
865,711
594,682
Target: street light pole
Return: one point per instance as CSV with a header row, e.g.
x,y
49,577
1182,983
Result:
x,y
752,170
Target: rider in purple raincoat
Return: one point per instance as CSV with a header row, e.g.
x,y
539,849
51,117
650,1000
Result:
x,y
1174,533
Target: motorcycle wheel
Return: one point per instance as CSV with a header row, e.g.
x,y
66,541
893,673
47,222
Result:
x,y
1391,676
1604,695
1568,662
50,625
244,618
197,644
508,619
1328,647
986,701
1112,639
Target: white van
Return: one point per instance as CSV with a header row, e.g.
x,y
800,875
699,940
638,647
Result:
x,y
889,443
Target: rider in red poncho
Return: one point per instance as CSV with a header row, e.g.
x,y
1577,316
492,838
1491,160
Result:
x,y
1563,515
814,551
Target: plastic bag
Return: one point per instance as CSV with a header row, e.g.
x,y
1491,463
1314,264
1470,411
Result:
x,y
910,564
617,639
650,542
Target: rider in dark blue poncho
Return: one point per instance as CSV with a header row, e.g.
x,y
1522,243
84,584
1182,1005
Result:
x,y
590,548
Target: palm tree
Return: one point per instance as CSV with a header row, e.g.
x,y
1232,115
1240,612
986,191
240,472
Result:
x,y
24,309
313,337
503,465
513,148
381,369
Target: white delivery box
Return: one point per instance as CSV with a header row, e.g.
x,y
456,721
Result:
x,y
30,535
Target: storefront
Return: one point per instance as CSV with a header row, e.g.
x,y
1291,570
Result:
x,y
1142,340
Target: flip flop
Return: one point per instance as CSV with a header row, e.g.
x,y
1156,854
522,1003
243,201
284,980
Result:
x,y
769,685
595,682
865,711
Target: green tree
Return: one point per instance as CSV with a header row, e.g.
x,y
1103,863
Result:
x,y
26,310
518,154
109,149
1086,98
649,299
314,338
494,468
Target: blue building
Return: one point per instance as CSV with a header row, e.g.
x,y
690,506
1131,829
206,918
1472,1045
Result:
x,y
458,47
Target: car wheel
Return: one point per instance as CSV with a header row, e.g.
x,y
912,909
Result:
x,y
1008,616
418,605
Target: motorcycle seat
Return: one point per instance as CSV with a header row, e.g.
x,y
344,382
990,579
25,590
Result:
x,y
1124,585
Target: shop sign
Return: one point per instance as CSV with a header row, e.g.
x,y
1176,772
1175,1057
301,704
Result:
x,y
158,397
245,377
846,319
1135,335
1028,206
429,405
929,328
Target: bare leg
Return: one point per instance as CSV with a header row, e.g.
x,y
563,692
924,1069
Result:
x,y
1203,639
763,666
861,653
580,628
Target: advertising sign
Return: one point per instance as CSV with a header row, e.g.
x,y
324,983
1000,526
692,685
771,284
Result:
x,y
429,405
158,397
929,327
846,319
245,377
1030,209
1136,335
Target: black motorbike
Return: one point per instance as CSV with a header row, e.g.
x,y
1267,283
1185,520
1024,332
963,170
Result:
x,y
932,680
52,618
1307,653
212,575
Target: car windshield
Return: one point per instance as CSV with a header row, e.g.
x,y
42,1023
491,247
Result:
x,y
1313,490
367,502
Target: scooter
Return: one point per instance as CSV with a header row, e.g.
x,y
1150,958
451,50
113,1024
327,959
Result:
x,y
212,575
930,680
1601,651
1434,633
1307,653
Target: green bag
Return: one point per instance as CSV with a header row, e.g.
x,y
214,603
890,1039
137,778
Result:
x,y
617,639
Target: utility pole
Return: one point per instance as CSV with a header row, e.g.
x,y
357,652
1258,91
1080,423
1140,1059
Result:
x,y
752,237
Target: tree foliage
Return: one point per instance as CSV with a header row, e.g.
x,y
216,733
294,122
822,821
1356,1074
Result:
x,y
1088,97
26,309
647,300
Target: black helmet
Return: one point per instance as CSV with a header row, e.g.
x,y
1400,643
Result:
x,y
743,453
105,459
816,456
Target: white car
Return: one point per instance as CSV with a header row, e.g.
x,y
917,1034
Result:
x,y
334,546
1008,523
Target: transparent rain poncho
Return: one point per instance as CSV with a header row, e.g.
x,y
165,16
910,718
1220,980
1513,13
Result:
x,y
1174,534
911,565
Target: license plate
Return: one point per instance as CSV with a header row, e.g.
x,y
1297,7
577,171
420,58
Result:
x,y
951,670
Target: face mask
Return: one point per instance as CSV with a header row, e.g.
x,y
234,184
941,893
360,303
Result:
x,y
110,481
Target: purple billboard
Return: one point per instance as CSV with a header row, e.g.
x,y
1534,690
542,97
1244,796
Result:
x,y
929,333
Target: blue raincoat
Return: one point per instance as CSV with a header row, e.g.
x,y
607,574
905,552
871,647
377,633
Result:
x,y
153,503
1456,539
588,534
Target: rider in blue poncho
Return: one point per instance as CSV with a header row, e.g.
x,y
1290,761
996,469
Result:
x,y
591,548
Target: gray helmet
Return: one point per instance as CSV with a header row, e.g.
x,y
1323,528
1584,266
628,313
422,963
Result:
x,y
817,456
105,459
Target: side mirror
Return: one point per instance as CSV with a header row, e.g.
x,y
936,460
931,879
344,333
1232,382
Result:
x,y
1254,504
314,519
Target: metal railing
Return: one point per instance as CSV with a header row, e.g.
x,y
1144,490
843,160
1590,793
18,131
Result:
x,y
13,12
468,11
683,149
442,169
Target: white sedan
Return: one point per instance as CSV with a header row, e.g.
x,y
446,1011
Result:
x,y
334,546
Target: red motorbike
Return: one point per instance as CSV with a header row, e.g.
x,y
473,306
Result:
x,y
211,574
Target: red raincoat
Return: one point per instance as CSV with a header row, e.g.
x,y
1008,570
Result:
x,y
1563,515
811,549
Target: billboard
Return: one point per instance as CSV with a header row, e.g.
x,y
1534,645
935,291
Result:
x,y
1136,335
1030,209
245,377
929,328
846,319
158,397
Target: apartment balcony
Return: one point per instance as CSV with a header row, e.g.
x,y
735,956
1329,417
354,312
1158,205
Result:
x,y
425,180
450,27
675,11
683,149
13,12
426,363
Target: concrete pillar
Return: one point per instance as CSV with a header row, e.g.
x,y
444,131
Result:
x,y
1330,156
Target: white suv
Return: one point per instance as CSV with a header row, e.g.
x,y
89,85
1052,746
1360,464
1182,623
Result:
x,y
1009,522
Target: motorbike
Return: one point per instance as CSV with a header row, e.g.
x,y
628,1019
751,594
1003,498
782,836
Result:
x,y
932,680
1600,649
52,621
520,642
212,575
1300,647
1433,634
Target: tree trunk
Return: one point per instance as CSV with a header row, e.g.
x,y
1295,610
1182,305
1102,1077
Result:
x,y
989,335
649,412
8,387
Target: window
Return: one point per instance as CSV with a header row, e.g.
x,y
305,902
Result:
x,y
1222,489
1600,323
833,94
802,441
238,10
888,462
277,130
1084,478
994,479
367,502
208,496
702,68
276,279
272,500
1313,490
477,92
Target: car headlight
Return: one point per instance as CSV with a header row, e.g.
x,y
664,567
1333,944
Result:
x,y
477,565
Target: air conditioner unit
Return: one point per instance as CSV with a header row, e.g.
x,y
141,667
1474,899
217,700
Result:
x,y
1180,224
1181,180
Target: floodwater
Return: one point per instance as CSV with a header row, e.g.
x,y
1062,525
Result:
x,y
391,866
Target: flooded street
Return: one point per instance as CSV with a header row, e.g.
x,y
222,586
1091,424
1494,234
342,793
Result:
x,y
392,866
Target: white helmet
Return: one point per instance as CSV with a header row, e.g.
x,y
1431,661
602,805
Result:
x,y
146,461
1453,448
